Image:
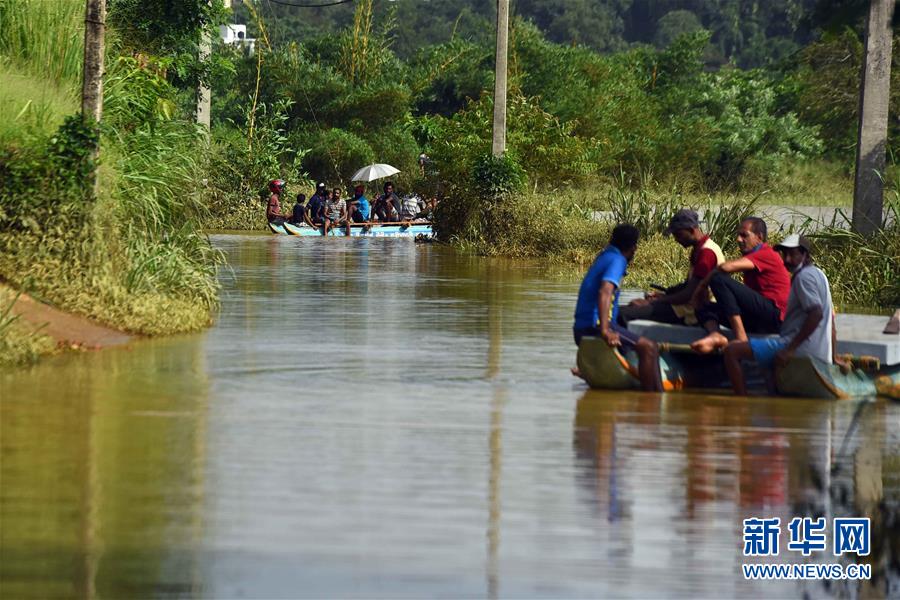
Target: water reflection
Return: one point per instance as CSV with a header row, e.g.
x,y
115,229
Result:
x,y
710,462
102,471
372,418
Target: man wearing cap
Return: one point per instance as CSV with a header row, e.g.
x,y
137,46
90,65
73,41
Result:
x,y
808,327
757,305
315,208
674,305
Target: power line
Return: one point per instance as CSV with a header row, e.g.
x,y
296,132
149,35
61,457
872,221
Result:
x,y
322,5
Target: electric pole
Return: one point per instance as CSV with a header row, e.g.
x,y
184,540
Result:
x,y
498,147
874,98
92,73
204,94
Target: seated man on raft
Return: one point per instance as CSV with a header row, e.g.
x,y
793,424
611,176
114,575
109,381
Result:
x,y
315,208
808,327
598,305
358,209
756,306
273,208
335,211
674,305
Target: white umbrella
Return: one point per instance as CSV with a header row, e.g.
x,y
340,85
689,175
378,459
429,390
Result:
x,y
373,172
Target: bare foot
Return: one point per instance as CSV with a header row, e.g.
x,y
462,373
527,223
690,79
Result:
x,y
576,372
712,342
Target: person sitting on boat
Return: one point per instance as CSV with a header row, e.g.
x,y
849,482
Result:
x,y
756,306
387,205
315,208
808,327
273,209
411,207
335,211
598,305
298,216
358,209
674,305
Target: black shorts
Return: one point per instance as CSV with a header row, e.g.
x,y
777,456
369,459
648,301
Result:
x,y
357,217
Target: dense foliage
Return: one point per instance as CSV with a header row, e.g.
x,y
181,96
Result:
x,y
748,34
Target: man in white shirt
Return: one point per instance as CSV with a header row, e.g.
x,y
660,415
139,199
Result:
x,y
808,326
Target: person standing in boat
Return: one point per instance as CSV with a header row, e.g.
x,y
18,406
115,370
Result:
x,y
808,327
335,211
315,208
674,306
756,306
598,306
358,209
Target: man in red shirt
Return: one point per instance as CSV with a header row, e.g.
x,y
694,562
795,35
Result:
x,y
756,306
674,305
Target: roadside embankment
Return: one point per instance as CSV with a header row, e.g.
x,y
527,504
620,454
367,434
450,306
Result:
x,y
862,270
30,329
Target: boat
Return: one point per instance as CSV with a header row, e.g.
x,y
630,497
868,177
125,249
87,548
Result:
x,y
609,368
417,230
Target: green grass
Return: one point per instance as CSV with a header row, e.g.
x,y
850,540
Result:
x,y
813,183
559,230
30,107
45,37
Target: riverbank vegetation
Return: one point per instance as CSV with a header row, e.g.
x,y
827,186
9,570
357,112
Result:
x,y
627,110
132,256
702,116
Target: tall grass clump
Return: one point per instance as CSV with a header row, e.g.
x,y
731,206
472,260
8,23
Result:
x,y
44,36
134,256
863,271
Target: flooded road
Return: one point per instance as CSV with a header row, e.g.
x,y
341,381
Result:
x,y
373,418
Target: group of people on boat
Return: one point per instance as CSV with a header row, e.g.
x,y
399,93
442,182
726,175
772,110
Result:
x,y
327,210
783,298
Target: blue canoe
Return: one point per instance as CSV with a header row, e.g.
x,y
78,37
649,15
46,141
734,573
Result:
x,y
419,231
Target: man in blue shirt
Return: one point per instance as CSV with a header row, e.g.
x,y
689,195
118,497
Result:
x,y
598,305
358,209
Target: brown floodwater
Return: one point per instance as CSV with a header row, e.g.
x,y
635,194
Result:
x,y
376,418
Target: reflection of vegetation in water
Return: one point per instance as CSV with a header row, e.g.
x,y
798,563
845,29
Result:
x,y
863,480
102,472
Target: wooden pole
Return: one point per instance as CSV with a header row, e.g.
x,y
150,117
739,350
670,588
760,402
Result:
x,y
92,75
498,147
874,97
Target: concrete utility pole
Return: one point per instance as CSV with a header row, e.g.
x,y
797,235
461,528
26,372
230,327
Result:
x,y
92,73
874,97
92,78
499,142
204,95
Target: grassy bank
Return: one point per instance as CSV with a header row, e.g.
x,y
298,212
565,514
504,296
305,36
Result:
x,y
561,229
133,257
